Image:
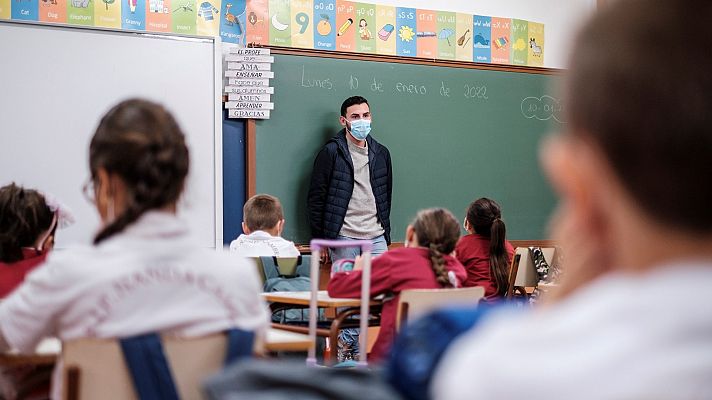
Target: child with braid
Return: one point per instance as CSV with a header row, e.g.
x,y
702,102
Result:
x,y
144,273
424,263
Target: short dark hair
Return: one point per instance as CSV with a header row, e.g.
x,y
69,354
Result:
x,y
640,89
351,101
262,212
24,215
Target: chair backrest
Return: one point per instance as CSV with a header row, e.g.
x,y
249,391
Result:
x,y
522,273
414,303
95,368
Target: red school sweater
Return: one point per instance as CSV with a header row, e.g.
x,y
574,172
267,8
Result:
x,y
392,272
473,252
12,274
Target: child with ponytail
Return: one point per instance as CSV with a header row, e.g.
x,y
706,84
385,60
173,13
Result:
x,y
485,252
424,263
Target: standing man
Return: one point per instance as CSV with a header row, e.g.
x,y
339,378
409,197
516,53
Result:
x,y
351,184
350,194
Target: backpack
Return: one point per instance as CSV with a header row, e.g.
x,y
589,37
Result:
x,y
417,350
287,274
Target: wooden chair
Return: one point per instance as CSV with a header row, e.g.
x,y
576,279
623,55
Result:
x,y
95,368
414,303
522,273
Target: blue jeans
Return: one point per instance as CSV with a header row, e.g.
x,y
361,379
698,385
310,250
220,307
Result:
x,y
350,253
348,347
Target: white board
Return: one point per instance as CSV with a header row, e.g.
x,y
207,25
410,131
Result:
x,y
57,81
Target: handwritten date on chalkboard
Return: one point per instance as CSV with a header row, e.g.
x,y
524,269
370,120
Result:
x,y
471,91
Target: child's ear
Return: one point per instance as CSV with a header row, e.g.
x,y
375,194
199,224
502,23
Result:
x,y
245,229
280,226
410,236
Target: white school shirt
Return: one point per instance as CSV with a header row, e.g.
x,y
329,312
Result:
x,y
622,337
261,243
148,278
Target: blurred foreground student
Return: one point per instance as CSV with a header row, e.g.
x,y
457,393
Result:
x,y
631,320
263,224
27,228
424,263
485,251
144,273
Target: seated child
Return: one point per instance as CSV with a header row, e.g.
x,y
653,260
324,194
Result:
x,y
263,224
144,272
424,263
27,227
485,252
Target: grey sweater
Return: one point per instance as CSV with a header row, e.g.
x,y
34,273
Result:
x,y
361,221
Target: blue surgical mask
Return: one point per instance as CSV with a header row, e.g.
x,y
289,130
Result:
x,y
360,128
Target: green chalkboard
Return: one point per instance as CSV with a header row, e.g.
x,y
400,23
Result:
x,y
455,134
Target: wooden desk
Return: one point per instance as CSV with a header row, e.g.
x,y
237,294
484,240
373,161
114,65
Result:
x,y
45,354
345,307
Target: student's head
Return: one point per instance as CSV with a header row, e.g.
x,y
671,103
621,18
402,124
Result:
x,y
26,221
634,162
437,230
263,212
138,161
484,217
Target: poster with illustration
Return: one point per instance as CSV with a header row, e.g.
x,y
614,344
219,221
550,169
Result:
x,y
324,21
5,9
426,35
133,14
302,21
233,21
500,43
80,12
183,18
208,17
280,34
447,40
25,9
107,14
481,38
345,26
158,15
257,22
385,30
365,25
406,26
536,44
520,42
53,11
463,34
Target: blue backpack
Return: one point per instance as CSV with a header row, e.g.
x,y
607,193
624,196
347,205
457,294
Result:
x,y
287,274
421,344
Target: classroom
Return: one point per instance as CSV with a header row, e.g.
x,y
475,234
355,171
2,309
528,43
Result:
x,y
328,199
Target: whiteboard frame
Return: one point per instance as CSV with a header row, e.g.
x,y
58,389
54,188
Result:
x,y
217,98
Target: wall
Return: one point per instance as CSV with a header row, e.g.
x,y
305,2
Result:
x,y
560,18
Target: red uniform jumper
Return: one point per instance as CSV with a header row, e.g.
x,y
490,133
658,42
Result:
x,y
11,275
392,272
473,252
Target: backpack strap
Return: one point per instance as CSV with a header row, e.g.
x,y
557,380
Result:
x,y
239,345
148,367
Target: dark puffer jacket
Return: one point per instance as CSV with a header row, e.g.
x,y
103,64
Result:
x,y
332,183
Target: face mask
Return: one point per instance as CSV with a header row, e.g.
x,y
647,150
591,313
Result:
x,y
360,128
